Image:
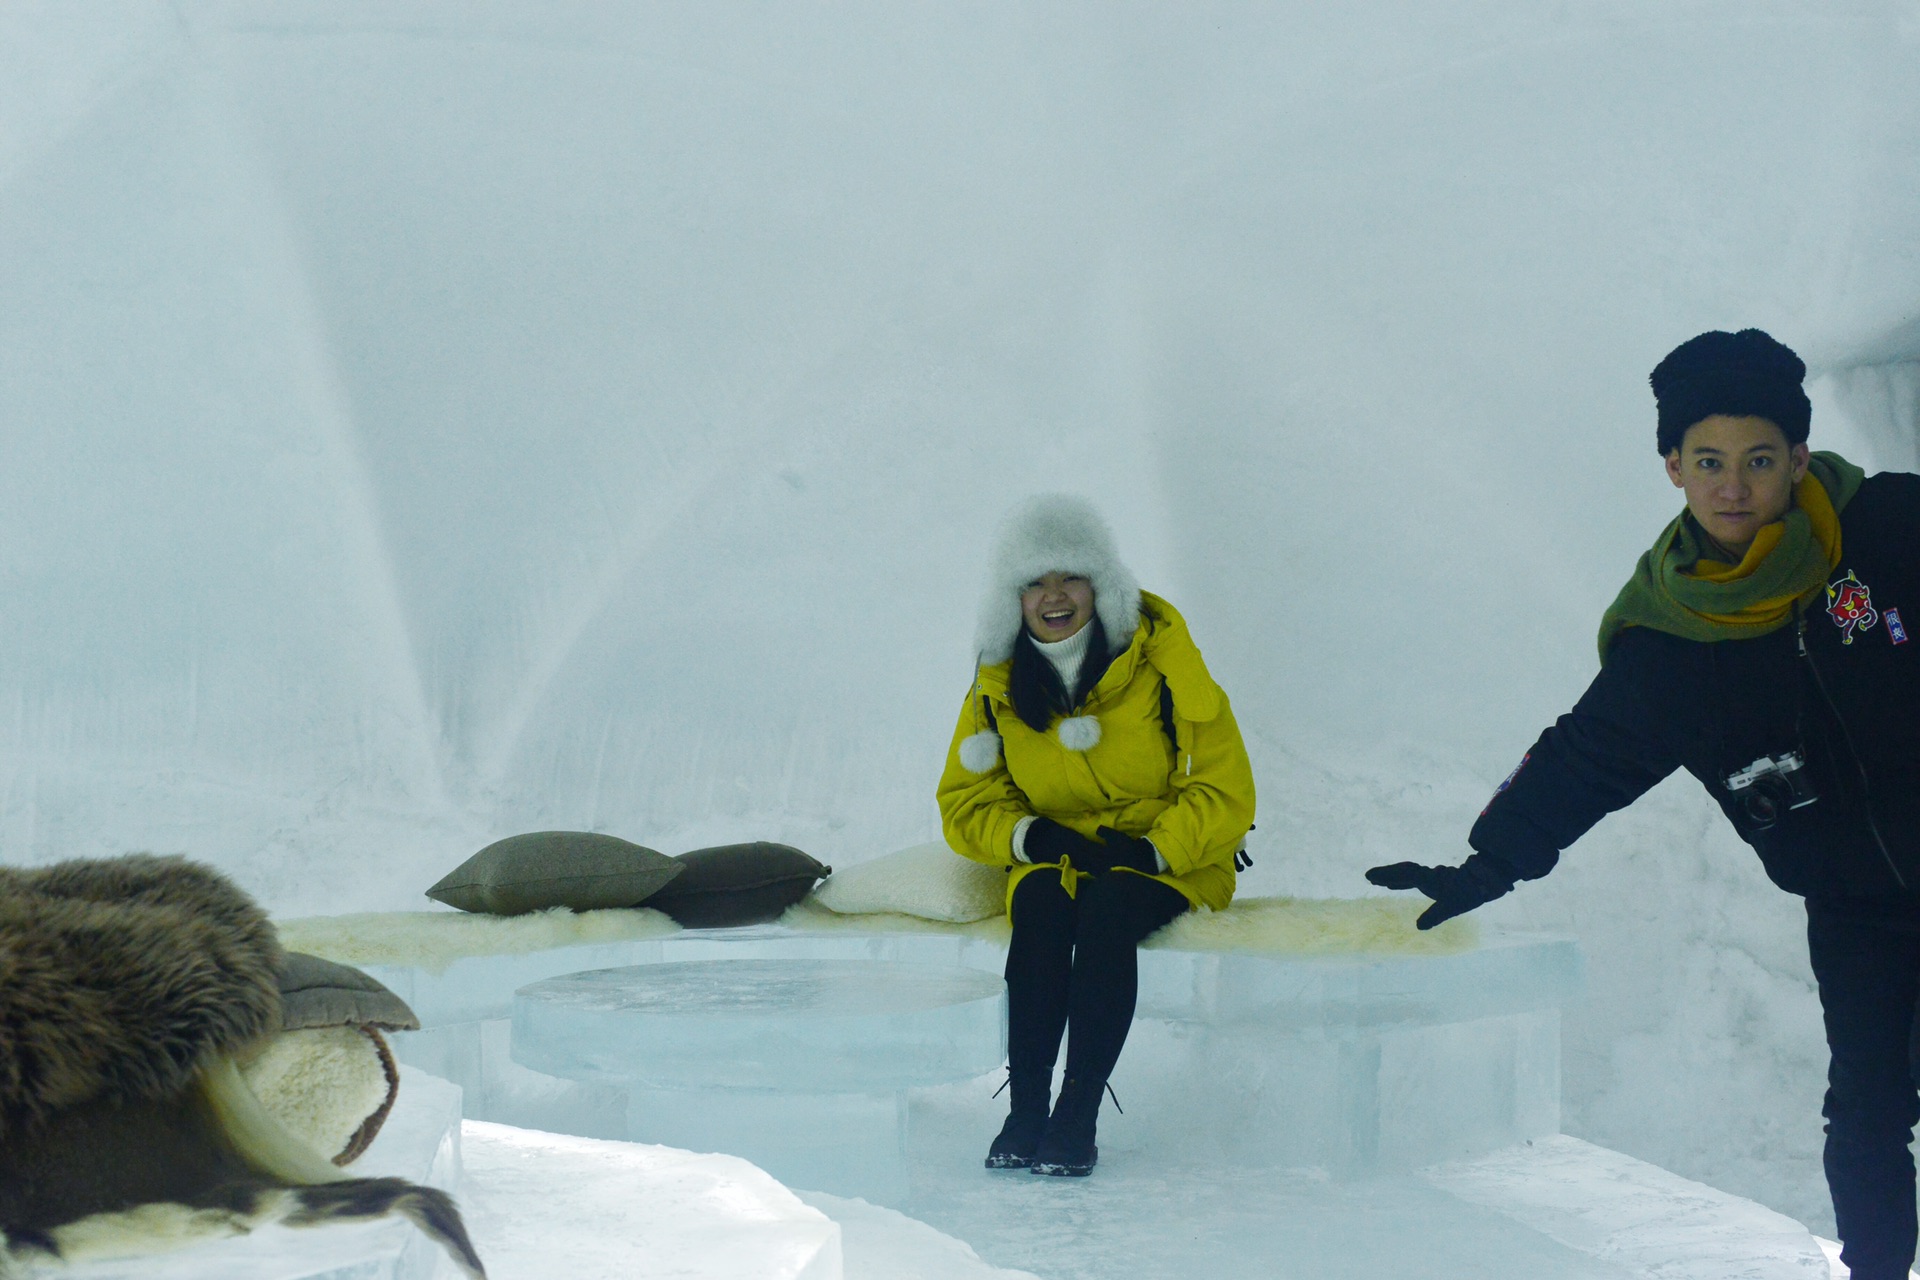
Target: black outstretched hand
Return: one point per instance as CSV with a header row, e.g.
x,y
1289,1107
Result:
x,y
1454,890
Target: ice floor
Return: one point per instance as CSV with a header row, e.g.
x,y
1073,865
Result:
x,y
545,1207
1568,1210
601,1214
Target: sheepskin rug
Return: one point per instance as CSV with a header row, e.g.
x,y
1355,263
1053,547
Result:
x,y
1318,926
433,940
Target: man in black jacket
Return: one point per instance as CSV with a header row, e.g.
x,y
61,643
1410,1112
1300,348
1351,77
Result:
x,y
1763,646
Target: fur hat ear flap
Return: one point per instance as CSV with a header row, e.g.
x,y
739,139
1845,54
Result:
x,y
980,752
1080,733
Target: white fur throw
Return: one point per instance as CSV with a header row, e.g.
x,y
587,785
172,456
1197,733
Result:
x,y
930,881
432,940
809,916
1318,926
1277,926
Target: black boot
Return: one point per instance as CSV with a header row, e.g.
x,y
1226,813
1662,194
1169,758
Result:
x,y
1026,1120
1066,1149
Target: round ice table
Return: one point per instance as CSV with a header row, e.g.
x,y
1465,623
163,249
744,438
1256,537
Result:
x,y
801,1066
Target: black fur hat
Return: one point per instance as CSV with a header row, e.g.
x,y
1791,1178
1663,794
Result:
x,y
1741,374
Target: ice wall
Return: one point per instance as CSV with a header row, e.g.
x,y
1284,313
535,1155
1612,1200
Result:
x,y
426,421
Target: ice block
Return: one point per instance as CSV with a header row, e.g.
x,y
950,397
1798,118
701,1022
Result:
x,y
802,1066
819,1026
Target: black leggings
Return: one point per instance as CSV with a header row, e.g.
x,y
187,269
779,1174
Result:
x,y
1869,974
1073,963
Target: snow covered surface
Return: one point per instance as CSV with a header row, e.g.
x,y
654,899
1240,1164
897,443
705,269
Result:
x,y
542,1206
629,1211
431,421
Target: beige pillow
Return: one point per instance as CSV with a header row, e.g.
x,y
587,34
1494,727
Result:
x,y
578,869
930,881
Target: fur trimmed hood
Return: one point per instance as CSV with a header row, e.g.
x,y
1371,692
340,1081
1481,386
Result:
x,y
1054,533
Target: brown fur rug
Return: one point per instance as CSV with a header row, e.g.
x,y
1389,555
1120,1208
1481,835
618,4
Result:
x,y
128,986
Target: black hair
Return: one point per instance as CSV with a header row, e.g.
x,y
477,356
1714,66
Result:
x,y
1035,688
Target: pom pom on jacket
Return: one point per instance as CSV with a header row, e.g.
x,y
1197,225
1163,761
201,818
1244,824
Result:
x,y
1080,733
980,752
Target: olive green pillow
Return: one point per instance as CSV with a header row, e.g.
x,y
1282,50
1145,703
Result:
x,y
737,884
578,869
322,993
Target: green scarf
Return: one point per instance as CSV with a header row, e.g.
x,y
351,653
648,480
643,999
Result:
x,y
1676,589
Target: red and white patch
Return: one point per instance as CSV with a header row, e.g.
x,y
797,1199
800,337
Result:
x,y
1850,605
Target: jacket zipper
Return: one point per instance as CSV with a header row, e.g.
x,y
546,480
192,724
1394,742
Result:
x,y
1846,735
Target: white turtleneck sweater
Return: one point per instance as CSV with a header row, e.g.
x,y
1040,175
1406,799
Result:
x,y
1067,657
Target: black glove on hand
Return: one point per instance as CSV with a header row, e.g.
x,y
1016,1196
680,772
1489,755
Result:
x,y
1454,890
1048,842
1136,852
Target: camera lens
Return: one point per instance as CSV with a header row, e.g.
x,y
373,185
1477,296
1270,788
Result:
x,y
1762,804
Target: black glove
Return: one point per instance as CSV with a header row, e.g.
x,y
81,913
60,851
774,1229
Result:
x,y
1454,890
1048,842
1124,850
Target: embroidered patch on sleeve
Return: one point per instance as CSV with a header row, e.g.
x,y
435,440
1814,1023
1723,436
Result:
x,y
1508,782
1896,628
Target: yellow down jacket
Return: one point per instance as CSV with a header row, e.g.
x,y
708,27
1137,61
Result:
x,y
1195,803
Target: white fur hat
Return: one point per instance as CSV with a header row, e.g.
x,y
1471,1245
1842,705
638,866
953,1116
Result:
x,y
1054,533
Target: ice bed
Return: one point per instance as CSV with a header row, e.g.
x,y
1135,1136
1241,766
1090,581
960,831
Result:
x,y
1330,1033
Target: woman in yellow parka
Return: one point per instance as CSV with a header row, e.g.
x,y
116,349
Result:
x,y
1100,764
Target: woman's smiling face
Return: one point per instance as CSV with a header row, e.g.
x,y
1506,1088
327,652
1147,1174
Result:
x,y
1056,606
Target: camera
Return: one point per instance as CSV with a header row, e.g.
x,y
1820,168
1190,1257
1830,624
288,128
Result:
x,y
1772,785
